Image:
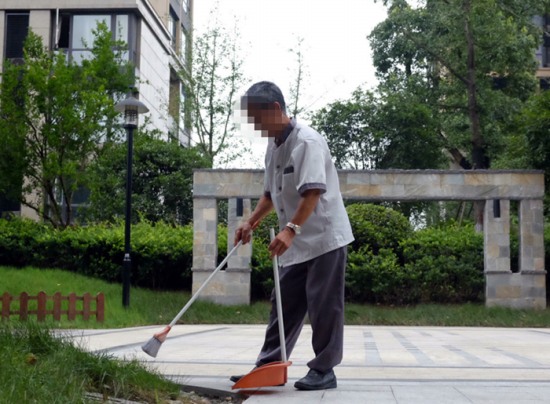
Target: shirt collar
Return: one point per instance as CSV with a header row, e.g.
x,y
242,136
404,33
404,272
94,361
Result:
x,y
286,132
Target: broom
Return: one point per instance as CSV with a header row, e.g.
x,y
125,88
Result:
x,y
152,346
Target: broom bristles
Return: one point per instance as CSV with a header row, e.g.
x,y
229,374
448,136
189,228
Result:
x,y
152,346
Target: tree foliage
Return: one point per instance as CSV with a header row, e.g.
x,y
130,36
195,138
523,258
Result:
x,y
349,128
162,184
212,88
55,115
475,57
388,129
295,106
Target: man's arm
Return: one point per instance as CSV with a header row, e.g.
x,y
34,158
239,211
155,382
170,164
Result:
x,y
307,204
244,231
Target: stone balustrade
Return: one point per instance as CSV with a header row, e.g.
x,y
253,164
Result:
x,y
495,188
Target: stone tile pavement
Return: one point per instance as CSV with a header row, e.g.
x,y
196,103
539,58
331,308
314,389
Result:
x,y
381,364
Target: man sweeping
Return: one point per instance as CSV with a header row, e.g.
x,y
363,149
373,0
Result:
x,y
301,185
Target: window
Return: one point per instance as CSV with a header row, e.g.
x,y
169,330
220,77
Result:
x,y
183,43
75,37
185,6
17,28
173,28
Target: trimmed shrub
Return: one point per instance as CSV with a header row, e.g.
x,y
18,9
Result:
x,y
443,264
449,263
379,278
377,227
262,267
161,253
18,240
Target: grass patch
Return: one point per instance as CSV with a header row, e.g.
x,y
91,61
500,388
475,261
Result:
x,y
463,315
38,367
148,307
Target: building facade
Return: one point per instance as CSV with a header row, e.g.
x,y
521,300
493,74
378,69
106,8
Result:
x,y
158,34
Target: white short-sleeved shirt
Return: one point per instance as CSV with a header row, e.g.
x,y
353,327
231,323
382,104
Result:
x,y
304,162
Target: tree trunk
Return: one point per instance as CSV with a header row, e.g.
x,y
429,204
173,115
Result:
x,y
478,152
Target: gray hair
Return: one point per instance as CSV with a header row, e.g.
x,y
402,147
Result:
x,y
264,92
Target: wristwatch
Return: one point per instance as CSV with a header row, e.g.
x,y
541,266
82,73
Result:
x,y
297,229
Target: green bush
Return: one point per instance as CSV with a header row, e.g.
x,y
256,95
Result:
x,y
161,253
443,265
377,227
262,267
18,240
379,278
449,262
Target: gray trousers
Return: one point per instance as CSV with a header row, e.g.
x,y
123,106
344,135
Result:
x,y
315,287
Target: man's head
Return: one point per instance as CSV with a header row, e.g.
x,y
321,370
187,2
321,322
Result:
x,y
265,107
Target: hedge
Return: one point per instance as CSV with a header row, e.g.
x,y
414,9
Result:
x,y
161,253
389,263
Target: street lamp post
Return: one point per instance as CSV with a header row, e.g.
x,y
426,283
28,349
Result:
x,y
131,108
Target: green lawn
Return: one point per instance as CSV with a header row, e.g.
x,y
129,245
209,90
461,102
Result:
x,y
149,307
35,367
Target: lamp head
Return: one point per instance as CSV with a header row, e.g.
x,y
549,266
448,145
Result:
x,y
131,107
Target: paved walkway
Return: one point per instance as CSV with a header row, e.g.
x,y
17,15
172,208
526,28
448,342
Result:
x,y
380,365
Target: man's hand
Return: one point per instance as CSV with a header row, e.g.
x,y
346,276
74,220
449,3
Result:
x,y
244,233
281,242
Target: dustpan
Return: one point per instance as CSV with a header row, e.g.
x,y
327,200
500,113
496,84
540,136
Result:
x,y
274,373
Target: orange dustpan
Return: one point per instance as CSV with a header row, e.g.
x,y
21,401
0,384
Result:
x,y
274,373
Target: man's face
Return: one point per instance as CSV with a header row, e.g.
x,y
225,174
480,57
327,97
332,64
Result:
x,y
266,117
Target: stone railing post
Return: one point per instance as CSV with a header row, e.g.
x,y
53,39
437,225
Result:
x,y
496,236
531,253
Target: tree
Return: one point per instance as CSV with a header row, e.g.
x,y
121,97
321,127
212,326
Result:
x,y
297,85
162,186
476,59
212,89
55,115
529,145
464,51
348,126
389,128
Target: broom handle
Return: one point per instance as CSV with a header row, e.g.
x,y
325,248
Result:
x,y
278,302
194,297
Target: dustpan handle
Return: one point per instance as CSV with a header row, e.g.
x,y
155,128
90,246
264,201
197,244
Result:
x,y
199,290
278,301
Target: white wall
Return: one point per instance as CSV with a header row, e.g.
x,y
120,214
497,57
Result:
x,y
154,77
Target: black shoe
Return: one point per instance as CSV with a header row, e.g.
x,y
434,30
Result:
x,y
236,378
316,380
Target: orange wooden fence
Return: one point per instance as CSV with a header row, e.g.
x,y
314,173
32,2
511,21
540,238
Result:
x,y
56,309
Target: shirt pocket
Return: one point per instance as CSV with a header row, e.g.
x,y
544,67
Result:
x,y
288,182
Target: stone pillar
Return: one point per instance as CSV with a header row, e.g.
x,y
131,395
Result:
x,y
238,209
531,236
205,239
526,289
496,253
236,278
496,236
231,285
531,254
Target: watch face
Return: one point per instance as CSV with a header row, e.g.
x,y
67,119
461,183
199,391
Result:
x,y
297,229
